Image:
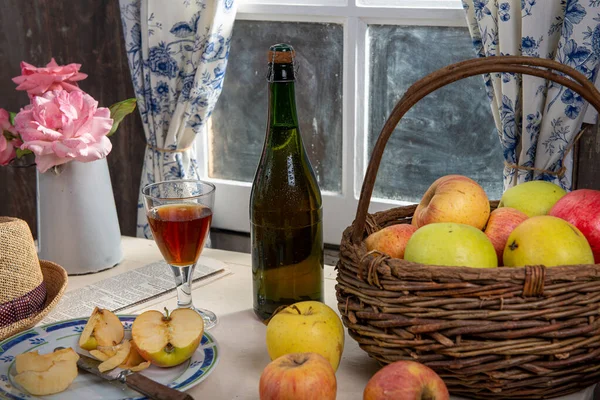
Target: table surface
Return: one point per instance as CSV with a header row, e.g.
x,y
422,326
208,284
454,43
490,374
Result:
x,y
240,335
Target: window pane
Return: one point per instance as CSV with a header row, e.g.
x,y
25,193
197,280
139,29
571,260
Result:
x,y
450,131
239,119
411,3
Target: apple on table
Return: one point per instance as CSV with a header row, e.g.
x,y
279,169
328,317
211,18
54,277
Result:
x,y
298,376
406,380
306,327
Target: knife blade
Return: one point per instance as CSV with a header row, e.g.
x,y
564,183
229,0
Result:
x,y
133,380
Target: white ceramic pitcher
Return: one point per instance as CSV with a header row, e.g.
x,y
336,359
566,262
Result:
x,y
77,219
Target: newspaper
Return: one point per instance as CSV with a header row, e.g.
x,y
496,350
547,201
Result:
x,y
124,291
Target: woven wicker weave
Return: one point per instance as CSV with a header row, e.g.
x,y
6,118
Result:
x,y
505,333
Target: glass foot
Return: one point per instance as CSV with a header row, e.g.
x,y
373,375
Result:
x,y
209,317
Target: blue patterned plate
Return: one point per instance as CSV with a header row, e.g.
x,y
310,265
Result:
x,y
87,386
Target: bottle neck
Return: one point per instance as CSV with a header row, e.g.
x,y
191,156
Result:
x,y
282,97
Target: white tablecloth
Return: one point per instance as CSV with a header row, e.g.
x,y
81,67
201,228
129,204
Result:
x,y
240,335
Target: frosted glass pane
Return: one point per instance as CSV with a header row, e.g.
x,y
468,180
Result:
x,y
411,3
239,120
450,131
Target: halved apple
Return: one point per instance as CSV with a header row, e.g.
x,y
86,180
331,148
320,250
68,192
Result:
x,y
33,361
61,371
117,359
102,329
167,340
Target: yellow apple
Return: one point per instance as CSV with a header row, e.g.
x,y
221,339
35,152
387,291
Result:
x,y
391,240
452,245
453,198
306,327
167,340
102,329
546,240
406,380
298,376
46,374
533,197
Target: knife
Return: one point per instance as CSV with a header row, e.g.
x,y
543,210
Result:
x,y
135,381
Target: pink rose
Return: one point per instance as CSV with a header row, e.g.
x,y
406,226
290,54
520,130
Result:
x,y
60,126
8,139
37,81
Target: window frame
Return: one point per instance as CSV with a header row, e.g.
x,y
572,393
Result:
x,y
231,211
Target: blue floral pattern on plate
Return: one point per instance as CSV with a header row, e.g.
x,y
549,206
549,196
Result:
x,y
66,333
177,53
518,103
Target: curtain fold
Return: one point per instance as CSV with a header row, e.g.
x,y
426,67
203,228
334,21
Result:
x,y
536,120
177,52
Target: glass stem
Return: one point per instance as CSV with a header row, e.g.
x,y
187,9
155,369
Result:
x,y
183,281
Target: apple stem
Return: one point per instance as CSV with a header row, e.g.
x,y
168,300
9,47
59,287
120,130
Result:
x,y
294,307
166,318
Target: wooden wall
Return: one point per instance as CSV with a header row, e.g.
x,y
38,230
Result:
x,y
85,32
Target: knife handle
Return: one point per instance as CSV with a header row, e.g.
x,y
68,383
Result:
x,y
153,389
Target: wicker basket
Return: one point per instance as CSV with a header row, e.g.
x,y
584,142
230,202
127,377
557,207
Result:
x,y
505,333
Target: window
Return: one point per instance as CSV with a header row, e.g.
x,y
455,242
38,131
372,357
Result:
x,y
357,57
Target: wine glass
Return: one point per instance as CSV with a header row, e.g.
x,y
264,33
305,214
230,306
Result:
x,y
179,213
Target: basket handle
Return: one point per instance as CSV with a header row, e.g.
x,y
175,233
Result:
x,y
452,73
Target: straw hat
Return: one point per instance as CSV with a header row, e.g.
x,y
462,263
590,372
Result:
x,y
29,288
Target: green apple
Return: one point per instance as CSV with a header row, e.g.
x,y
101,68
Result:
x,y
451,244
306,327
546,240
533,197
167,340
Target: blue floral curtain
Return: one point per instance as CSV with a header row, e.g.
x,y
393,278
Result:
x,y
537,120
177,51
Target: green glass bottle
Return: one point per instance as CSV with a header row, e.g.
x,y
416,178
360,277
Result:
x,y
286,214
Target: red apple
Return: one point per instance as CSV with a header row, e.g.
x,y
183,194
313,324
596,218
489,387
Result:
x,y
406,380
298,376
391,240
501,223
581,208
453,198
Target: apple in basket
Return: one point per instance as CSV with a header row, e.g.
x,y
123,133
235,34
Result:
x,y
546,240
451,244
581,208
306,326
406,380
298,376
500,225
453,198
167,339
391,240
533,197
102,329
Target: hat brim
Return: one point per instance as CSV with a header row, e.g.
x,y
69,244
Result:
x,y
56,280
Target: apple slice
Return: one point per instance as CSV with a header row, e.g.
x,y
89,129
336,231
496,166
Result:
x,y
102,329
61,372
110,351
33,361
134,361
167,340
116,360
100,355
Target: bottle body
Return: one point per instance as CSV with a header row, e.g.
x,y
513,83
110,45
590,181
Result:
x,y
286,220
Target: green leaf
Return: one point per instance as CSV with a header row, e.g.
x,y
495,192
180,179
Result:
x,y
11,117
120,110
21,153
